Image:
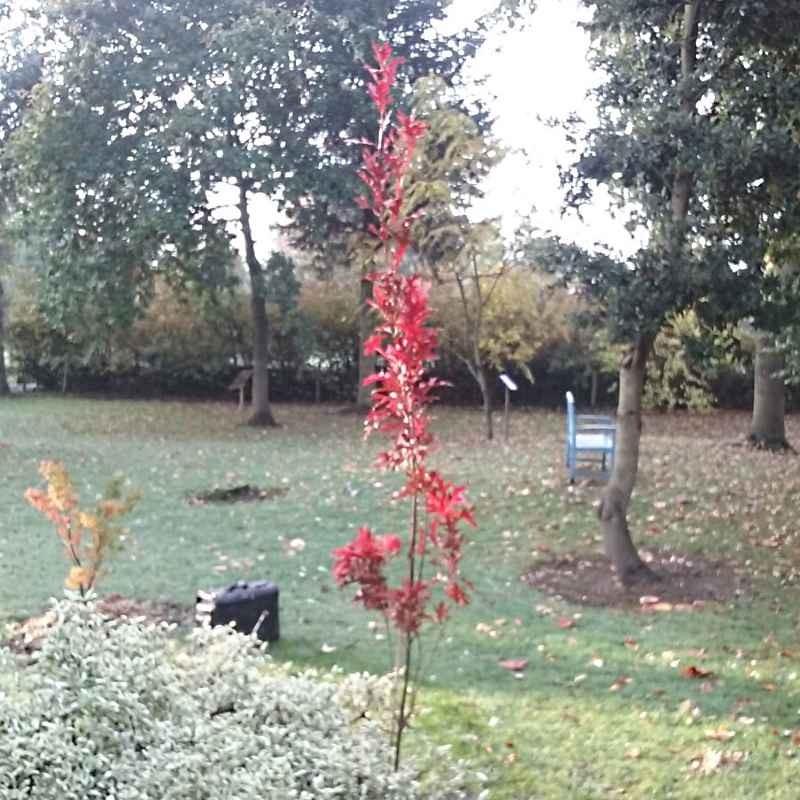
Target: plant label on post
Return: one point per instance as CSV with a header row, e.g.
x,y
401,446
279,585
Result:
x,y
508,383
510,386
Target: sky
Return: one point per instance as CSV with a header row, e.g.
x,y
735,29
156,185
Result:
x,y
535,73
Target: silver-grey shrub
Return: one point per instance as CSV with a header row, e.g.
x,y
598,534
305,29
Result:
x,y
122,710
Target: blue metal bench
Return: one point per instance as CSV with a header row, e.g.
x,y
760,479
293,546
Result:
x,y
591,439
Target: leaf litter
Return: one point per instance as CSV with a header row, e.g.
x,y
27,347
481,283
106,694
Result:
x,y
689,582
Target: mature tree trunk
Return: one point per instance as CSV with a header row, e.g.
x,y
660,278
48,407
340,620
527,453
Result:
x,y
595,387
486,400
613,511
767,429
366,364
4,387
682,183
261,411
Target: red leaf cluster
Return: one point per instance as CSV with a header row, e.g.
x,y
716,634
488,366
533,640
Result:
x,y
403,390
362,562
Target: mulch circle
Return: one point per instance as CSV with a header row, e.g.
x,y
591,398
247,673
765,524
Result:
x,y
115,605
237,494
28,636
687,582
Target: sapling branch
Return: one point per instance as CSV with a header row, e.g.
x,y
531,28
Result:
x,y
401,392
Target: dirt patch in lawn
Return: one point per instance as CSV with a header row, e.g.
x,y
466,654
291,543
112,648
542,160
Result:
x,y
115,605
27,636
685,582
237,494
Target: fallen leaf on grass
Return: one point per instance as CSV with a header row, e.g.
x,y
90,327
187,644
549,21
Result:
x,y
619,683
662,607
513,664
687,709
631,643
720,734
294,546
707,762
328,648
696,672
566,622
648,600
487,630
658,607
711,760
633,753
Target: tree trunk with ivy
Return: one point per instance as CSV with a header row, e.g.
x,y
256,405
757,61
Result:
x,y
768,428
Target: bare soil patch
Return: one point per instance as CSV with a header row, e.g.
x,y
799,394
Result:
x,y
27,636
686,582
115,605
237,494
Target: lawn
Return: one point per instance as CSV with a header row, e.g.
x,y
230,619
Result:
x,y
695,703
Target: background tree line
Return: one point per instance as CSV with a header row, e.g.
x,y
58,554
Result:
x,y
548,337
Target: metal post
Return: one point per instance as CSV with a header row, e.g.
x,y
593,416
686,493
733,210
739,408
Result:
x,y
510,386
506,420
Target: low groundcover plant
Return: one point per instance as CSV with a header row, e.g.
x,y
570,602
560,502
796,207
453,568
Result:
x,y
120,709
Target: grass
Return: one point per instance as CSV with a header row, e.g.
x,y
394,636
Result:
x,y
559,731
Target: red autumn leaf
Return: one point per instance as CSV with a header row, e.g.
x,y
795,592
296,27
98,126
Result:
x,y
566,622
696,672
514,664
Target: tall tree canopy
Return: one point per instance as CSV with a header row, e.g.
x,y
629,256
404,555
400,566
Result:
x,y
694,141
150,114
